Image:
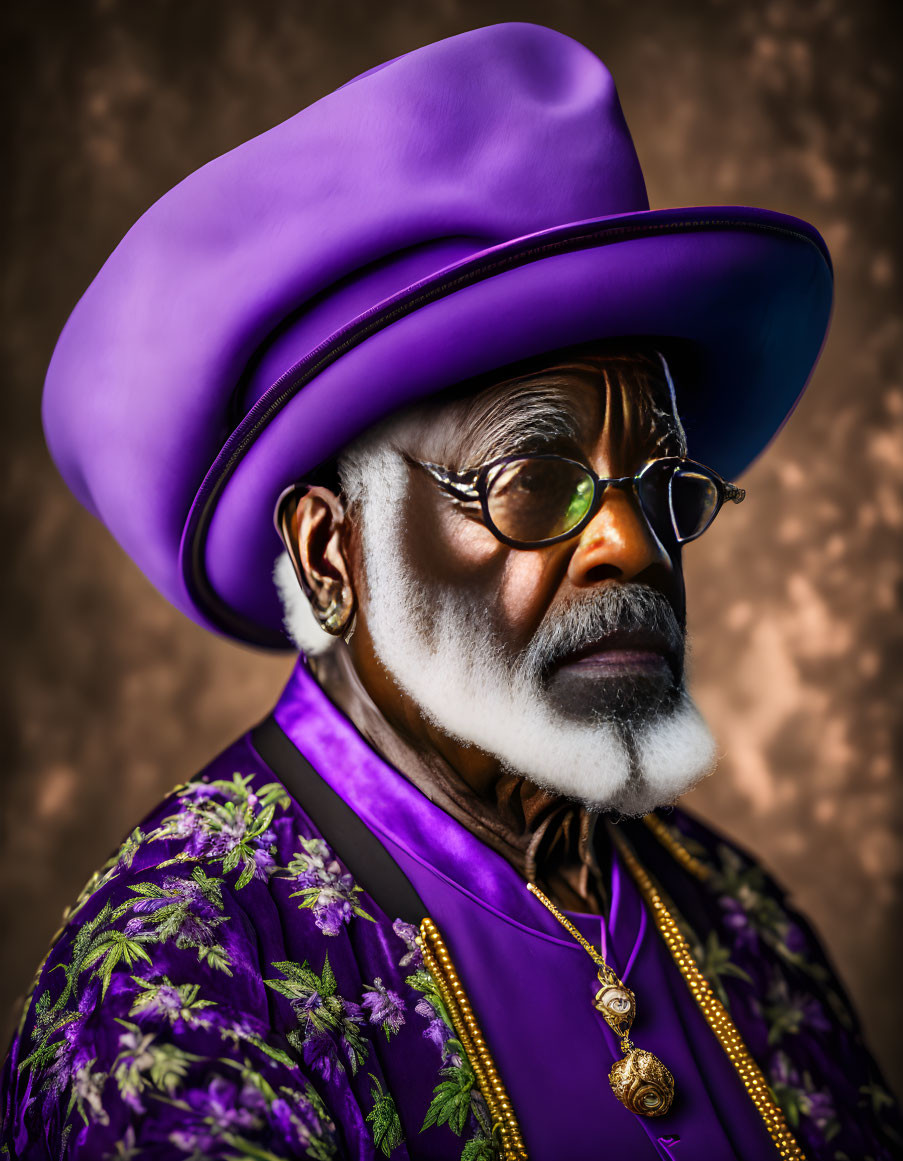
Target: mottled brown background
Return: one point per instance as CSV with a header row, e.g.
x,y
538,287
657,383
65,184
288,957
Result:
x,y
109,697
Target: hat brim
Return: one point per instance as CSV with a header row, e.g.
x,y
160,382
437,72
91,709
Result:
x,y
739,298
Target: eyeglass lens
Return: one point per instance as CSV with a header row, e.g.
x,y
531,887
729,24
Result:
x,y
533,500
693,499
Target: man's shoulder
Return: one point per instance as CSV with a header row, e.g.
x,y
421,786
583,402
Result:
x,y
223,987
747,901
198,876
186,848
744,897
162,975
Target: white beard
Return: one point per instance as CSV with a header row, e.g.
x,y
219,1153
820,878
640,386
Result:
x,y
445,654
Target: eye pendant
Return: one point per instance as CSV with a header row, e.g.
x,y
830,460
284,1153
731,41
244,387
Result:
x,y
639,1079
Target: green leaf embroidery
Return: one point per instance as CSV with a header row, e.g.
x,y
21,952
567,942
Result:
x,y
387,1132
110,948
455,1096
480,1149
241,813
170,1066
324,1010
171,1001
878,1097
451,1099
317,861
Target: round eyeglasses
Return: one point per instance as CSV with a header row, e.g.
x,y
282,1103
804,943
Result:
x,y
531,501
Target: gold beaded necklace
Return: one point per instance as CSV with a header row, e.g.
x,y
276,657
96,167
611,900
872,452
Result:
x,y
639,1079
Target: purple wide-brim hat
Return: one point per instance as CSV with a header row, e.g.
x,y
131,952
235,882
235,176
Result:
x,y
468,205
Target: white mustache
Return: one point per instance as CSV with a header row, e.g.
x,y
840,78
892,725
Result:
x,y
616,608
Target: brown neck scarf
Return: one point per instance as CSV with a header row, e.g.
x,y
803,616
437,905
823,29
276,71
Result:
x,y
550,840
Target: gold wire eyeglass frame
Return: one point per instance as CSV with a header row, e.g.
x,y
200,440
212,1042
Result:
x,y
474,485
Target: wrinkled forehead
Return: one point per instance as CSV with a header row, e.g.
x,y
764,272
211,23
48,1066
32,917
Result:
x,y
566,404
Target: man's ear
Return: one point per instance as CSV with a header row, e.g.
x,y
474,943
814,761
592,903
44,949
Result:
x,y
314,529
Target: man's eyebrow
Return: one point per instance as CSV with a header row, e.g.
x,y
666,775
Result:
x,y
525,417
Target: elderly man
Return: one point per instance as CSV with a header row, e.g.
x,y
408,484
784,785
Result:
x,y
430,907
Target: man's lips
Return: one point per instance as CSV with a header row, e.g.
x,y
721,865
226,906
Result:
x,y
622,652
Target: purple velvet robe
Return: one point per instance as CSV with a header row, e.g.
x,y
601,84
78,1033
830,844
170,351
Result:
x,y
224,989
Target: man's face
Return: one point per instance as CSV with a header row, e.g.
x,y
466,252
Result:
x,y
563,663
526,591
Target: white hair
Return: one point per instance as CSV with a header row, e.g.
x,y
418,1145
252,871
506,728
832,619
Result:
x,y
297,615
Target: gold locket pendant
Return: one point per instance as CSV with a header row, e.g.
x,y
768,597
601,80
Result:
x,y
639,1079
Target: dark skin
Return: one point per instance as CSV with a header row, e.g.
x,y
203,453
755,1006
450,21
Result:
x,y
522,586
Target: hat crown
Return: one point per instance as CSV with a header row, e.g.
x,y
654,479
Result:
x,y
498,132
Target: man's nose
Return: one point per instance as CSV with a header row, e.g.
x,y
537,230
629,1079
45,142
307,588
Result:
x,y
617,544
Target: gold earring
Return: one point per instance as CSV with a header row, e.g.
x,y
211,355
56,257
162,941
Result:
x,y
336,615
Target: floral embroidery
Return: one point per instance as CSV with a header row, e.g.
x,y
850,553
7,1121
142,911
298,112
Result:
x,y
324,888
227,822
751,910
798,1097
217,1115
386,1007
235,1113
184,910
144,1062
329,1025
787,1013
409,935
176,1004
